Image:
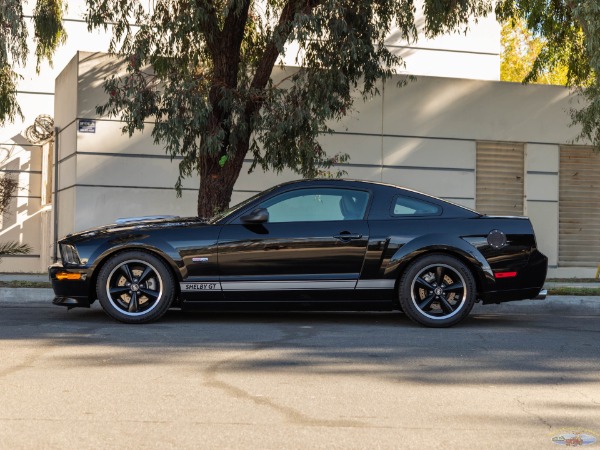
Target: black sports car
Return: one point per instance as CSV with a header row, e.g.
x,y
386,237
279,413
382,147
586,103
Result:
x,y
312,244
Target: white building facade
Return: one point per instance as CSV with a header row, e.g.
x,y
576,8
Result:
x,y
456,132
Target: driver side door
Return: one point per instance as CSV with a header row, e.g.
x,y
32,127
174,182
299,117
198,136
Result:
x,y
311,247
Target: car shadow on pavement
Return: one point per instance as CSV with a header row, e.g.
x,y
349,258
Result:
x,y
498,348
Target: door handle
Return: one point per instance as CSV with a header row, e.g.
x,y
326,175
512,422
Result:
x,y
347,236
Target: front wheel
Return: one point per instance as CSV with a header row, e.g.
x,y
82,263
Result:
x,y
437,291
135,287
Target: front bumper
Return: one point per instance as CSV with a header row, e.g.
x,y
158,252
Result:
x,y
70,292
72,302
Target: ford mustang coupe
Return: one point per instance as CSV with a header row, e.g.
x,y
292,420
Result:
x,y
311,244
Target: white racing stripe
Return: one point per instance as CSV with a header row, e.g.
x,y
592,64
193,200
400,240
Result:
x,y
285,285
375,284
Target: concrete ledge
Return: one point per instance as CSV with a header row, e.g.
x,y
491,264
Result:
x,y
25,295
552,304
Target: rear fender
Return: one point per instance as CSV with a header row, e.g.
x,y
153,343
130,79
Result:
x,y
443,243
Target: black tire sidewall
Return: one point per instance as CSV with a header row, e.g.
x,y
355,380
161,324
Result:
x,y
405,294
166,276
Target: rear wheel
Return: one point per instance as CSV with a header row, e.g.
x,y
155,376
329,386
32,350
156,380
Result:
x,y
135,287
437,291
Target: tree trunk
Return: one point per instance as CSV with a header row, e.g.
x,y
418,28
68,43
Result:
x,y
216,182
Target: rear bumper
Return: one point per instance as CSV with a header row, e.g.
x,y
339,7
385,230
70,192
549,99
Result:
x,y
513,295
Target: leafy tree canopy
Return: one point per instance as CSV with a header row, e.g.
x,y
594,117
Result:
x,y
520,49
201,70
570,34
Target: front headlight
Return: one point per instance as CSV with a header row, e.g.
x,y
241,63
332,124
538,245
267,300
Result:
x,y
69,254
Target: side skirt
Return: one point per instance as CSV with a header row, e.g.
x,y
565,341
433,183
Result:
x,y
372,305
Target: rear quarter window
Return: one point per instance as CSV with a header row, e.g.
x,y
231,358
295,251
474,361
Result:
x,y
409,207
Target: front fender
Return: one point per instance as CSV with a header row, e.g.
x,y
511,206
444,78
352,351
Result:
x,y
444,243
159,247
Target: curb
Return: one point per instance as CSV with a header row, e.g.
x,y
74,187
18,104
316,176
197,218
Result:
x,y
25,295
552,305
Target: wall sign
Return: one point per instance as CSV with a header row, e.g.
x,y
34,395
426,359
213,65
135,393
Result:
x,y
87,126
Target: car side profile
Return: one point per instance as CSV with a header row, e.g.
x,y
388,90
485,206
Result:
x,y
310,244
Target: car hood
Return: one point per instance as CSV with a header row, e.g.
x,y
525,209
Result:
x,y
143,223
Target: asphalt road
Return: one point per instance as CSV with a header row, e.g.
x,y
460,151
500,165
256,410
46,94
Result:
x,y
504,378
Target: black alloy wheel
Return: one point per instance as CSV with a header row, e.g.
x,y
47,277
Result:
x,y
135,287
437,290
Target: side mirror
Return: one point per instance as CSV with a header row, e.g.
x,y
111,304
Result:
x,y
259,215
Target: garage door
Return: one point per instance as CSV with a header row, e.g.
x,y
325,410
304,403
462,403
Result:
x,y
579,207
500,174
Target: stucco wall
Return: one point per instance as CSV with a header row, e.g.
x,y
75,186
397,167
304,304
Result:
x,y
422,136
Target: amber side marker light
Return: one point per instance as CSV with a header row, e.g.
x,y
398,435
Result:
x,y
68,276
505,274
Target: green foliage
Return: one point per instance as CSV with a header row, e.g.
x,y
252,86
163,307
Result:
x,y
49,31
571,38
520,48
13,248
13,50
49,34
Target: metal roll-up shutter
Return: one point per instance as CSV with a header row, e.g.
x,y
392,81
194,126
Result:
x,y
500,178
579,207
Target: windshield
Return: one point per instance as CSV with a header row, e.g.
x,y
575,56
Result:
x,y
222,215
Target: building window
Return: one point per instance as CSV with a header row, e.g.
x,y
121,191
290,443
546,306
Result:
x,y
579,207
500,173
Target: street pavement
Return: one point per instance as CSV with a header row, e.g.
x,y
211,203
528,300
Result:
x,y
510,376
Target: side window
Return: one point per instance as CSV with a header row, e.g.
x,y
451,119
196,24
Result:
x,y
317,205
408,206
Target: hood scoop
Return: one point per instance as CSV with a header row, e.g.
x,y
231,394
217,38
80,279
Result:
x,y
126,220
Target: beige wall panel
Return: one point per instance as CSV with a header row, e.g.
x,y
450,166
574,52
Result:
x,y
31,184
67,172
109,170
114,203
66,212
544,217
93,69
20,265
448,63
65,107
571,272
108,138
483,35
468,203
450,184
34,158
542,158
22,223
480,110
259,180
541,187
362,149
369,173
365,117
428,153
67,141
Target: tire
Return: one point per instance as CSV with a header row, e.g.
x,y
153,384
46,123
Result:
x,y
437,290
135,287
